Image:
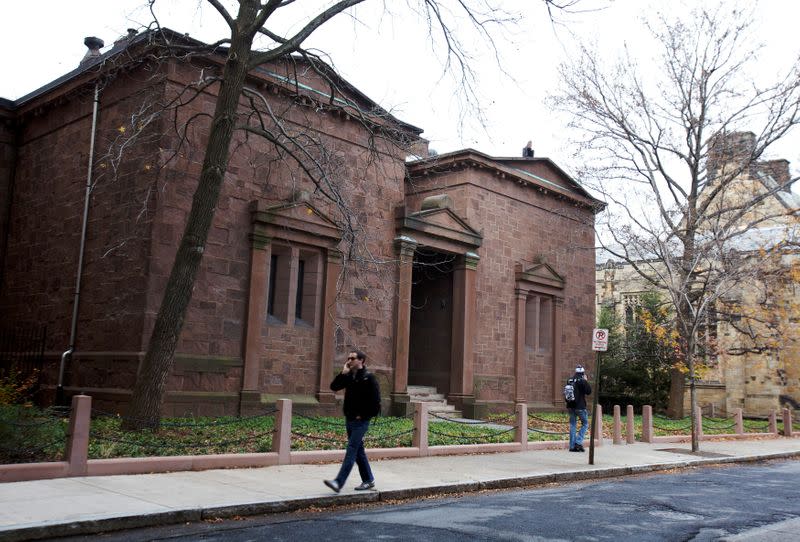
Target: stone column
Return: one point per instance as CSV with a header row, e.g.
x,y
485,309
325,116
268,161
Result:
x,y
558,363
402,314
294,265
260,252
520,382
333,268
462,348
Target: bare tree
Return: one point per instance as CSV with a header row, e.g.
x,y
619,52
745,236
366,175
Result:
x,y
676,144
255,39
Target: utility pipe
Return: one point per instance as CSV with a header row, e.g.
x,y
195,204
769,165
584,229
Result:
x,y
67,355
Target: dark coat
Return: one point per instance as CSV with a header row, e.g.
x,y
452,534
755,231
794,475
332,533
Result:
x,y
582,389
362,395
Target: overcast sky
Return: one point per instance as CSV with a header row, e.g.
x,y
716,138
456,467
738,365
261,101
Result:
x,y
388,57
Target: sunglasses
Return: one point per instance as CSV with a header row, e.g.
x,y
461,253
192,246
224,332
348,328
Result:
x,y
352,357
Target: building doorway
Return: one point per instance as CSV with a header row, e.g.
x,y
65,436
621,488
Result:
x,y
431,327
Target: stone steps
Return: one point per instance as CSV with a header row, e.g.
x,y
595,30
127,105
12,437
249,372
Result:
x,y
437,402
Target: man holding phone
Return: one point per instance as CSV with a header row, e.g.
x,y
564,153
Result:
x,y
362,402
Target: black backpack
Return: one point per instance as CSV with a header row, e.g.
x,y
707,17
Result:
x,y
569,391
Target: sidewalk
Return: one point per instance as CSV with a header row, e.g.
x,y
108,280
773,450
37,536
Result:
x,y
70,506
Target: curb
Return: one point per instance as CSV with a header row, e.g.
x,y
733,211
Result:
x,y
85,527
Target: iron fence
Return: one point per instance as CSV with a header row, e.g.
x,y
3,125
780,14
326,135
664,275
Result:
x,y
22,354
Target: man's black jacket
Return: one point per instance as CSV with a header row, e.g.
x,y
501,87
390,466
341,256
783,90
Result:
x,y
362,395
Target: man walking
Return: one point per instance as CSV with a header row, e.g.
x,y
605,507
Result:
x,y
577,409
362,401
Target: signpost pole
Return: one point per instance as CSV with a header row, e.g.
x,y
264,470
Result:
x,y
599,344
595,393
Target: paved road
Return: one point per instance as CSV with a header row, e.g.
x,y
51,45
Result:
x,y
722,503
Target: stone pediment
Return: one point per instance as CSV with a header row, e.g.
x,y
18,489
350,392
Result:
x,y
440,223
298,218
540,275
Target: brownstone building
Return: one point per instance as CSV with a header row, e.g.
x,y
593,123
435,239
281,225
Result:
x,y
463,272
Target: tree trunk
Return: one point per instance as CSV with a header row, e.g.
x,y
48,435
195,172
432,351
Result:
x,y
148,393
676,391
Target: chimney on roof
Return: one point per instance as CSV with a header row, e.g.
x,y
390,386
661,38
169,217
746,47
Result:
x,y
527,152
122,40
94,45
778,170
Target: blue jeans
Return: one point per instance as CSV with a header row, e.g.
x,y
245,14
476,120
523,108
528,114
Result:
x,y
356,429
574,414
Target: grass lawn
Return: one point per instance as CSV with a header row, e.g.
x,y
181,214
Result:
x,y
28,434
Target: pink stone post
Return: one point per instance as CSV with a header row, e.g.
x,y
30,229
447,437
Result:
x,y
787,422
629,424
739,417
282,439
80,419
522,425
617,426
597,426
420,439
647,423
773,421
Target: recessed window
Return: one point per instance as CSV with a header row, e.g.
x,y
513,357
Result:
x,y
545,324
539,323
294,285
298,302
531,321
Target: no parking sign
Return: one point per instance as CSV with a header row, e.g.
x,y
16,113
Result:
x,y
600,340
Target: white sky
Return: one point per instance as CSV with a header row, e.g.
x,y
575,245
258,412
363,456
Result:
x,y
388,57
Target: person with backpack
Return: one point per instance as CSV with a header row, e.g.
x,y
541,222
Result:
x,y
575,392
362,402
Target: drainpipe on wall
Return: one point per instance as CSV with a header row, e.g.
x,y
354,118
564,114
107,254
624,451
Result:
x,y
67,355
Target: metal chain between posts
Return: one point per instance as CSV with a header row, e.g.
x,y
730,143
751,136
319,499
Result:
x,y
251,438
673,429
547,432
383,438
549,422
750,424
719,425
30,434
314,437
553,422
462,422
471,437
718,418
338,424
216,423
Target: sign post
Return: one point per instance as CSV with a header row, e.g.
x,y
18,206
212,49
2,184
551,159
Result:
x,y
599,344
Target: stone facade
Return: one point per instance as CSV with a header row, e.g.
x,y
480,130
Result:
x,y
283,294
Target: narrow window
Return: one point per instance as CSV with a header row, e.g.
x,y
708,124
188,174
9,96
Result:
x,y
298,301
531,321
545,324
273,279
279,279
